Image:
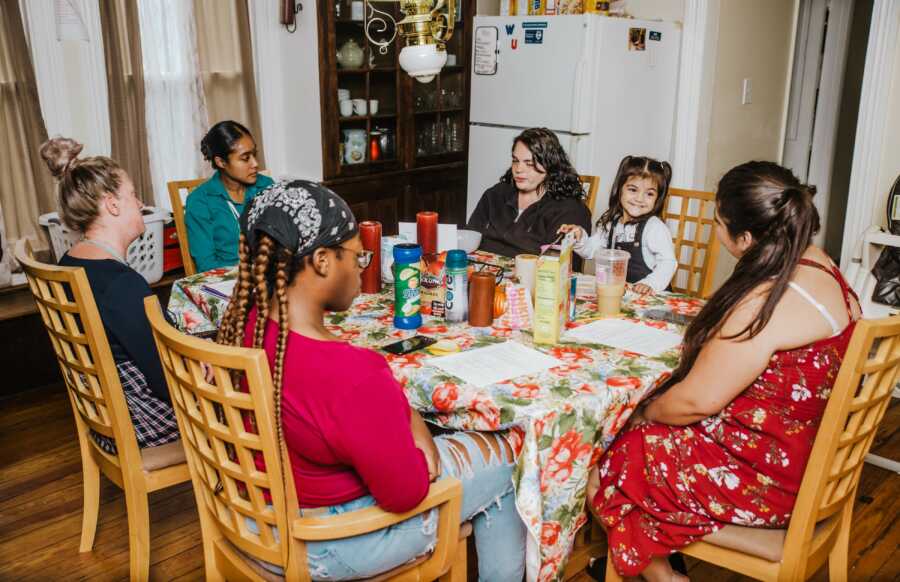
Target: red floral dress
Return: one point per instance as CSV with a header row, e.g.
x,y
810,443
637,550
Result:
x,y
663,487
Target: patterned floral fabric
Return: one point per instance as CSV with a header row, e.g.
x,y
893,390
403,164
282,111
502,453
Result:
x,y
559,421
663,487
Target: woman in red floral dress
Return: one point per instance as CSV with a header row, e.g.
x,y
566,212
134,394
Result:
x,y
728,441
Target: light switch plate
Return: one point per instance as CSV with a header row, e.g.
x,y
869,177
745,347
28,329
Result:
x,y
747,92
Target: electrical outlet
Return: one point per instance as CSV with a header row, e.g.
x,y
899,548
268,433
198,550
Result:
x,y
747,92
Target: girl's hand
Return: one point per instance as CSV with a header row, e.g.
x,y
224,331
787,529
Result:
x,y
643,289
576,230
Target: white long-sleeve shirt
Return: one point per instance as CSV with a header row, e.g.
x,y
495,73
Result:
x,y
657,249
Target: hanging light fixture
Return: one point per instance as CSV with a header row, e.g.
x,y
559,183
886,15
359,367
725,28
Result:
x,y
426,27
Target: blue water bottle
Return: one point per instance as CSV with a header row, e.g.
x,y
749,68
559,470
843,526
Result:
x,y
457,298
407,279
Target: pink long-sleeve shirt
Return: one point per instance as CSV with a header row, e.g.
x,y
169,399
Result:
x,y
346,424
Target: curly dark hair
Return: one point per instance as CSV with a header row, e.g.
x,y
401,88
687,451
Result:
x,y
550,158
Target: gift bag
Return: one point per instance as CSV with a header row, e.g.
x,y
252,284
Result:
x,y
887,268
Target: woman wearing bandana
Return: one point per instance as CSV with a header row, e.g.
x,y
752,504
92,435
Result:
x,y
352,438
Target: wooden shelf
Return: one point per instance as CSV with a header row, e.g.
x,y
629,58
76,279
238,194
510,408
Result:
x,y
365,117
444,110
394,189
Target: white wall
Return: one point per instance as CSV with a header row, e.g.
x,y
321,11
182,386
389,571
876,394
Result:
x,y
755,41
287,84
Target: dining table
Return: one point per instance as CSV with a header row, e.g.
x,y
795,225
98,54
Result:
x,y
558,421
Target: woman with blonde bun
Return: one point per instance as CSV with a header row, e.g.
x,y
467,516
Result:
x,y
97,198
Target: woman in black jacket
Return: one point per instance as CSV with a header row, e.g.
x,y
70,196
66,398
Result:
x,y
538,194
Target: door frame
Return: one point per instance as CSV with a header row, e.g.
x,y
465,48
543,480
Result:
x,y
871,128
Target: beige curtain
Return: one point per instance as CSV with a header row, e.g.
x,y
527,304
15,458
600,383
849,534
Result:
x,y
26,186
125,81
226,63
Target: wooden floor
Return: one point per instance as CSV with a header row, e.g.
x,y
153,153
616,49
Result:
x,y
40,508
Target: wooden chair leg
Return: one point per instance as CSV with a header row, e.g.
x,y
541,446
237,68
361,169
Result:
x,y
838,558
457,571
90,476
611,574
137,504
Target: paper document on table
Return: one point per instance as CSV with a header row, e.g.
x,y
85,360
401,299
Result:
x,y
222,289
485,366
626,335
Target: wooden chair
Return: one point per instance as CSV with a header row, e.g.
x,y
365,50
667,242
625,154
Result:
x,y
229,487
819,530
66,304
692,214
178,193
590,184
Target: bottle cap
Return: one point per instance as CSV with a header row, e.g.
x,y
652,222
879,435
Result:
x,y
407,253
457,259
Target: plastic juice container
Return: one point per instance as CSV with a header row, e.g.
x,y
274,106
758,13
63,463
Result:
x,y
612,267
407,280
456,300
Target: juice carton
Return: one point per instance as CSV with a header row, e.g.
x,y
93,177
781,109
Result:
x,y
552,284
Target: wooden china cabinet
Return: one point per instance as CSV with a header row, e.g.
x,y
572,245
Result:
x,y
421,129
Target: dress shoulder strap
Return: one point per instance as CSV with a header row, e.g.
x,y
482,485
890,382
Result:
x,y
835,328
846,290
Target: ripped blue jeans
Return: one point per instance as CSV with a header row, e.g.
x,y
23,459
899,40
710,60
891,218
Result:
x,y
484,463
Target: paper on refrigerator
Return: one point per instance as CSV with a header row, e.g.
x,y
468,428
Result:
x,y
626,335
485,366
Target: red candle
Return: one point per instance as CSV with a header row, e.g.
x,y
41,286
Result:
x,y
426,231
370,233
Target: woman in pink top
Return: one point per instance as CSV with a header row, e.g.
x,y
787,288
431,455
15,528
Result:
x,y
352,437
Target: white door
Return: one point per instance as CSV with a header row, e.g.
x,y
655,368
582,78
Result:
x,y
538,68
490,153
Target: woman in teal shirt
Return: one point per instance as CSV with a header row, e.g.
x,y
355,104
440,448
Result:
x,y
212,209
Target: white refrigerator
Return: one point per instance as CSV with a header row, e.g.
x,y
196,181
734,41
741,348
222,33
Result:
x,y
606,86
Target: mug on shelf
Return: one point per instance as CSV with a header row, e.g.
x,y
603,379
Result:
x,y
356,10
373,106
346,107
359,106
343,94
451,60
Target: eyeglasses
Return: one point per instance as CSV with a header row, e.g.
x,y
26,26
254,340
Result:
x,y
363,258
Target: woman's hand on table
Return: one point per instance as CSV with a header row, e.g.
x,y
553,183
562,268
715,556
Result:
x,y
577,231
642,289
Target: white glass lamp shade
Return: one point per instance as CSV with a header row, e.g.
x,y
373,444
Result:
x,y
422,61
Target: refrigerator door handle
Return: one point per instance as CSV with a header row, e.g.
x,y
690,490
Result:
x,y
580,122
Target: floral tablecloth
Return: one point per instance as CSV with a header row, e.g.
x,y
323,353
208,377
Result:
x,y
559,421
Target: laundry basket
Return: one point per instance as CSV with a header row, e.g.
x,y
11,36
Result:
x,y
145,255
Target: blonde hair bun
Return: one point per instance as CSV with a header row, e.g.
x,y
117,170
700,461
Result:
x,y
60,153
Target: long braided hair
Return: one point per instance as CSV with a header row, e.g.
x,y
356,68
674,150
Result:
x,y
267,271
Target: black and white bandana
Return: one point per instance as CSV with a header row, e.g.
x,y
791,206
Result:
x,y
301,215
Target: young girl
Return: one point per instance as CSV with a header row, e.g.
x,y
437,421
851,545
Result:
x,y
632,223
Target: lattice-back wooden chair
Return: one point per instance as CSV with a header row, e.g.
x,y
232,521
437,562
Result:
x,y
819,530
690,214
229,487
178,193
589,184
66,304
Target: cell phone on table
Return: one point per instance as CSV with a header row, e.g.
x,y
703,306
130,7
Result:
x,y
669,316
417,342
